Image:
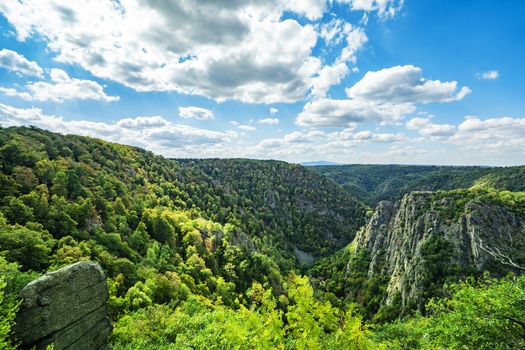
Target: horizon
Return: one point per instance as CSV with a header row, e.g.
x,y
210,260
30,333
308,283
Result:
x,y
393,82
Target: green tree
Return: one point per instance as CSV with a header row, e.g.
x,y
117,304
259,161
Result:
x,y
481,315
7,317
24,246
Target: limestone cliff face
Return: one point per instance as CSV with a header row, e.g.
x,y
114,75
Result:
x,y
66,308
424,240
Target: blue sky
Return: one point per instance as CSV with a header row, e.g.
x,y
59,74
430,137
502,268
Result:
x,y
350,81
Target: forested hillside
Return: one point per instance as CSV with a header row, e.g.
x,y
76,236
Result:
x,y
310,211
203,254
373,183
163,232
411,249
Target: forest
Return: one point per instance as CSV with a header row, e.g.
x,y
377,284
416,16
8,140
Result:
x,y
373,183
209,253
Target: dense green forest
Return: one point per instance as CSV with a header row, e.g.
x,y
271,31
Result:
x,y
373,183
204,253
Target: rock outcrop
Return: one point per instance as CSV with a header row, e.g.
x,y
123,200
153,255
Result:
x,y
424,240
66,308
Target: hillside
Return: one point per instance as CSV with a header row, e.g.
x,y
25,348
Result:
x,y
163,232
201,254
374,183
308,211
411,249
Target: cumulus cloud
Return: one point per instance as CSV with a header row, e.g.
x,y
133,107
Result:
x,y
246,127
405,84
193,112
417,122
17,63
143,122
384,8
337,31
432,129
488,136
243,50
152,132
61,88
334,33
426,128
385,95
327,77
315,143
15,93
311,9
334,113
270,121
493,132
488,75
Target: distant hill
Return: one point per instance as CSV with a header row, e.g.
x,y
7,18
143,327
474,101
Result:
x,y
373,183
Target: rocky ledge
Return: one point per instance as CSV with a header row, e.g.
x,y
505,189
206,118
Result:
x,y
66,308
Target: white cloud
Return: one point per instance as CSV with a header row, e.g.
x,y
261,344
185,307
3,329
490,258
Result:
x,y
496,137
355,40
270,121
193,112
327,77
488,75
62,88
336,31
315,143
333,113
417,122
311,9
154,133
14,93
437,130
405,84
384,8
143,122
273,111
241,50
426,128
246,127
385,95
17,63
500,139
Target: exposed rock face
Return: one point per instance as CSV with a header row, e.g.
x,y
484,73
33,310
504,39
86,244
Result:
x,y
423,240
66,308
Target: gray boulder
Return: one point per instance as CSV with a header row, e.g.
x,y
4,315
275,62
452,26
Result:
x,y
66,308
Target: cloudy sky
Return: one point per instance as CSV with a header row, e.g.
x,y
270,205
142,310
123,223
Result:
x,y
350,81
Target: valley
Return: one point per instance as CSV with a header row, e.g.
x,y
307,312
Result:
x,y
243,253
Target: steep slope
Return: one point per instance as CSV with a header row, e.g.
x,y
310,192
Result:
x,y
124,203
310,212
373,183
172,239
410,249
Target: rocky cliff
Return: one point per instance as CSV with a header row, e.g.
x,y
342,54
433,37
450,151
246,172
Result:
x,y
66,308
427,239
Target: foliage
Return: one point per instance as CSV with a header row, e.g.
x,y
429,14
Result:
x,y
481,315
199,253
303,205
198,324
374,183
7,317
